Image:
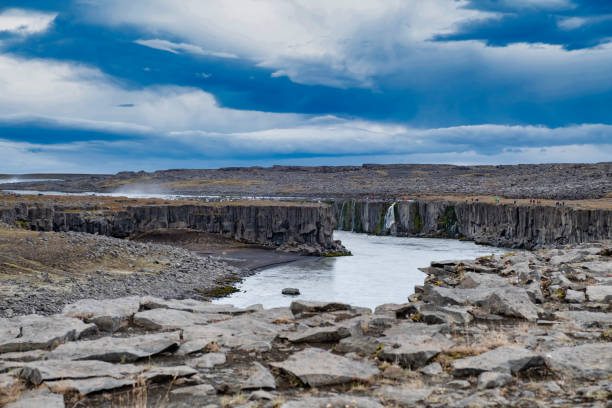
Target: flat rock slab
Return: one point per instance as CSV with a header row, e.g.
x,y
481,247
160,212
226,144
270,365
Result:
x,y
107,314
587,320
317,367
87,386
507,301
32,332
208,360
582,362
195,306
117,349
49,370
304,306
404,394
171,319
507,359
412,345
41,398
258,377
341,401
328,334
201,390
599,293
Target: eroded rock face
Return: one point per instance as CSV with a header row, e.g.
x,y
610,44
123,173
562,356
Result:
x,y
108,315
317,367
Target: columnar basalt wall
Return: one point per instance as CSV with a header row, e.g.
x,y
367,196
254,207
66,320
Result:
x,y
517,226
308,227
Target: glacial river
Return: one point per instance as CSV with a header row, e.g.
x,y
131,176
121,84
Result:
x,y
383,269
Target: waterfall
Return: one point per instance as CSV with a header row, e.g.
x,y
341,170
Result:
x,y
390,217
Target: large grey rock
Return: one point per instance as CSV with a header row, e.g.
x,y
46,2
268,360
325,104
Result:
x,y
587,319
327,334
404,394
108,314
191,305
508,301
364,345
246,333
171,319
303,306
31,332
317,367
208,360
258,377
574,296
164,373
582,362
117,349
49,370
412,345
506,359
201,390
473,280
491,379
340,401
600,293
40,398
87,386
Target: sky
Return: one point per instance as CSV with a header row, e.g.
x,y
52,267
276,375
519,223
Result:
x,y
102,86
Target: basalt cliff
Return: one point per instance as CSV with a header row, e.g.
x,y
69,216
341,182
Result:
x,y
306,228
499,224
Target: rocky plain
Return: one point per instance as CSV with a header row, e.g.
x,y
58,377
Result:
x,y
98,320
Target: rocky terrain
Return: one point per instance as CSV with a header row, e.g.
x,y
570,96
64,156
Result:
x,y
40,272
523,329
550,181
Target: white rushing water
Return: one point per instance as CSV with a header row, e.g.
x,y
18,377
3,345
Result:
x,y
24,180
383,269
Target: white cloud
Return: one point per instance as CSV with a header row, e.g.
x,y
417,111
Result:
x,y
24,22
177,48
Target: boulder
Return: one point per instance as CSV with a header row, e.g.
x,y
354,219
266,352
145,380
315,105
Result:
x,y
403,394
258,377
329,334
208,360
317,367
118,349
586,319
587,361
171,319
490,379
412,345
108,314
506,359
303,306
574,296
600,293
32,332
291,291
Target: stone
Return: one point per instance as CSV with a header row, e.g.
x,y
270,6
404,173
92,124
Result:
x,y
201,390
258,377
600,293
190,305
261,395
393,372
340,401
291,291
508,301
32,332
404,394
87,386
587,361
473,280
586,319
412,345
49,370
329,334
303,306
490,379
162,373
506,359
24,356
574,296
107,314
118,349
171,319
432,369
459,384
364,345
208,360
40,398
317,367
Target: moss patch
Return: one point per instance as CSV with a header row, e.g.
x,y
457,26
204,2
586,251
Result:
x,y
417,221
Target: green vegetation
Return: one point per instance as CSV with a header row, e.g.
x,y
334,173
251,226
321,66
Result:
x,y
222,291
358,216
448,221
379,230
22,224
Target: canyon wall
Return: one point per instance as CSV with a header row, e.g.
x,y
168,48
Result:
x,y
305,228
508,225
